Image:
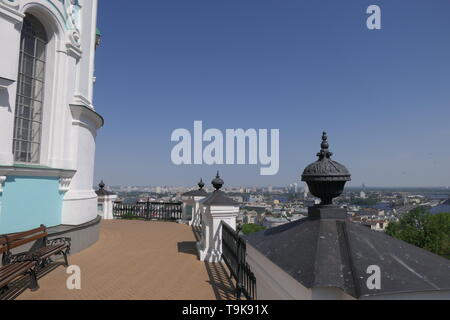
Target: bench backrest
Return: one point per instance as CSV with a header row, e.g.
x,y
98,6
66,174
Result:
x,y
2,244
8,242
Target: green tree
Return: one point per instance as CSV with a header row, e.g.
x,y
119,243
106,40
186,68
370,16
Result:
x,y
419,228
437,234
252,228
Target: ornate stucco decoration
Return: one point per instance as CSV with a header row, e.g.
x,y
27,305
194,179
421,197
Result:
x,y
73,20
64,184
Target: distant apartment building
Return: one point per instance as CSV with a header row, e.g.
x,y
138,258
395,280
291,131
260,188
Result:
x,y
251,217
238,199
257,198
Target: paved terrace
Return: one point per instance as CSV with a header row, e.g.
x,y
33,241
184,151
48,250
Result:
x,y
139,260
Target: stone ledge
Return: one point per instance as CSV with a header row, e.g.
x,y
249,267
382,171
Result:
x,y
82,236
35,171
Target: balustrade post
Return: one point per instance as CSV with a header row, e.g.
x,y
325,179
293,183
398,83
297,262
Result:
x,y
105,202
147,209
191,205
215,209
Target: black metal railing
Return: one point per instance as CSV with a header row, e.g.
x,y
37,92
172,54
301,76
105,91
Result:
x,y
166,211
233,253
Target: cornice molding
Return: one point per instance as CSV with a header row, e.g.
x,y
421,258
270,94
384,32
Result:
x,y
80,113
9,9
222,211
35,171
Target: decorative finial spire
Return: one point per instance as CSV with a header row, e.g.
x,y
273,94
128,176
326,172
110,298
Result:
x,y
326,178
201,184
217,182
101,185
324,152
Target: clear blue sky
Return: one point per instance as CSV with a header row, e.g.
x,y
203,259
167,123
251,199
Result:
x,y
295,65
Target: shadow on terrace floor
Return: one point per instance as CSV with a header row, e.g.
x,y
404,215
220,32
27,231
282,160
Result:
x,y
219,278
221,283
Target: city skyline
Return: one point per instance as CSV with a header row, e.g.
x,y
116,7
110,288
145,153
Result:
x,y
300,67
301,187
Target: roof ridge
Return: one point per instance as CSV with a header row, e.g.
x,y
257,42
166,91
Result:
x,y
332,262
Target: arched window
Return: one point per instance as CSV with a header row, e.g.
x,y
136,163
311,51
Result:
x,y
30,92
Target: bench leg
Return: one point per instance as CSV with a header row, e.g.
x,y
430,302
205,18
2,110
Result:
x,y
66,262
42,263
34,286
4,289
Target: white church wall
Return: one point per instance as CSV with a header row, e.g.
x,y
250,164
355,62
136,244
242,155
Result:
x,y
69,121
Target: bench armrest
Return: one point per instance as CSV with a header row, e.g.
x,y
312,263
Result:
x,y
57,241
21,257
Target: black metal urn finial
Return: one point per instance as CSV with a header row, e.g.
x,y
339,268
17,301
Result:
x,y
101,185
326,178
217,182
324,152
201,184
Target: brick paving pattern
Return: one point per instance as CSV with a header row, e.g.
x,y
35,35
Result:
x,y
141,261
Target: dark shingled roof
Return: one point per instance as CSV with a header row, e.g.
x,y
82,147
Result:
x,y
218,198
197,193
104,192
337,253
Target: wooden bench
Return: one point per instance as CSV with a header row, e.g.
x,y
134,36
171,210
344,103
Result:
x,y
16,268
33,260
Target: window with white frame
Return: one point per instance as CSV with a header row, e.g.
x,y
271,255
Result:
x,y
30,92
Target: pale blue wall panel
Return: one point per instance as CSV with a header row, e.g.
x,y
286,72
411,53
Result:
x,y
27,202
